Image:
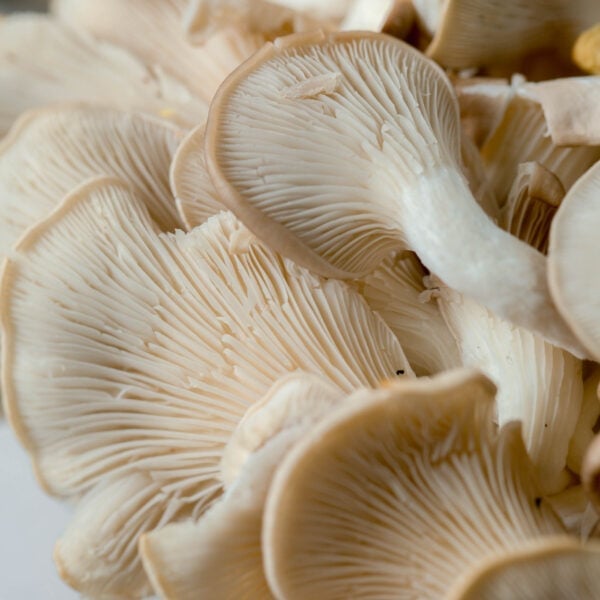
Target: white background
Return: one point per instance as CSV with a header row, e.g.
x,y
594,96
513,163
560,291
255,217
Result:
x,y
30,523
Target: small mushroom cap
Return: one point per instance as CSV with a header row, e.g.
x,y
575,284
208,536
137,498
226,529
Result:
x,y
586,50
129,351
574,509
395,17
77,67
532,202
553,569
572,260
51,151
401,493
295,401
220,555
194,192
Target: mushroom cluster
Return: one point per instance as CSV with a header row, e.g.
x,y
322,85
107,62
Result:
x,y
300,299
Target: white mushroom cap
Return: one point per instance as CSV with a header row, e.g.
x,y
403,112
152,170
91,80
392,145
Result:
x,y
397,292
573,257
553,569
79,68
194,192
400,495
220,555
375,126
538,383
395,17
144,350
575,510
532,202
50,151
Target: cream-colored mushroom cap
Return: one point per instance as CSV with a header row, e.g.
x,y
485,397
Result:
x,y
127,351
220,555
337,149
586,51
554,569
400,495
42,61
51,151
573,259
194,192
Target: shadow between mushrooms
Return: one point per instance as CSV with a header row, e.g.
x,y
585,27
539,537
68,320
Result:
x,y
131,355
338,149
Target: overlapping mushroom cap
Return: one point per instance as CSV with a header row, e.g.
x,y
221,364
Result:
x,y
129,357
337,149
400,494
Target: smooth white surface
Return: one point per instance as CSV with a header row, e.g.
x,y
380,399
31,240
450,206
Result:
x,y
30,523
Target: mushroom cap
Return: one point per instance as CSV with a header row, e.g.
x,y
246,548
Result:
x,y
553,569
538,384
194,192
77,67
586,50
153,32
145,350
220,555
532,202
572,256
51,151
354,90
400,494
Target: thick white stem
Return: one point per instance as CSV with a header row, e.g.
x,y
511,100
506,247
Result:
x,y
460,244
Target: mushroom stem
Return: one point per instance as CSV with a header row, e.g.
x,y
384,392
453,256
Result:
x,y
448,228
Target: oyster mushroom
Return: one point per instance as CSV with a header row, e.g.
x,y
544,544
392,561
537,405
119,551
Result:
x,y
538,383
194,192
220,555
572,255
586,51
42,61
532,202
375,126
152,31
555,568
404,490
143,353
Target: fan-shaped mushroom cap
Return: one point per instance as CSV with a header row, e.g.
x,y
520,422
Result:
x,y
538,383
532,202
194,192
42,61
220,555
521,137
144,350
574,509
375,127
552,569
153,31
572,259
397,292
397,496
474,33
50,151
